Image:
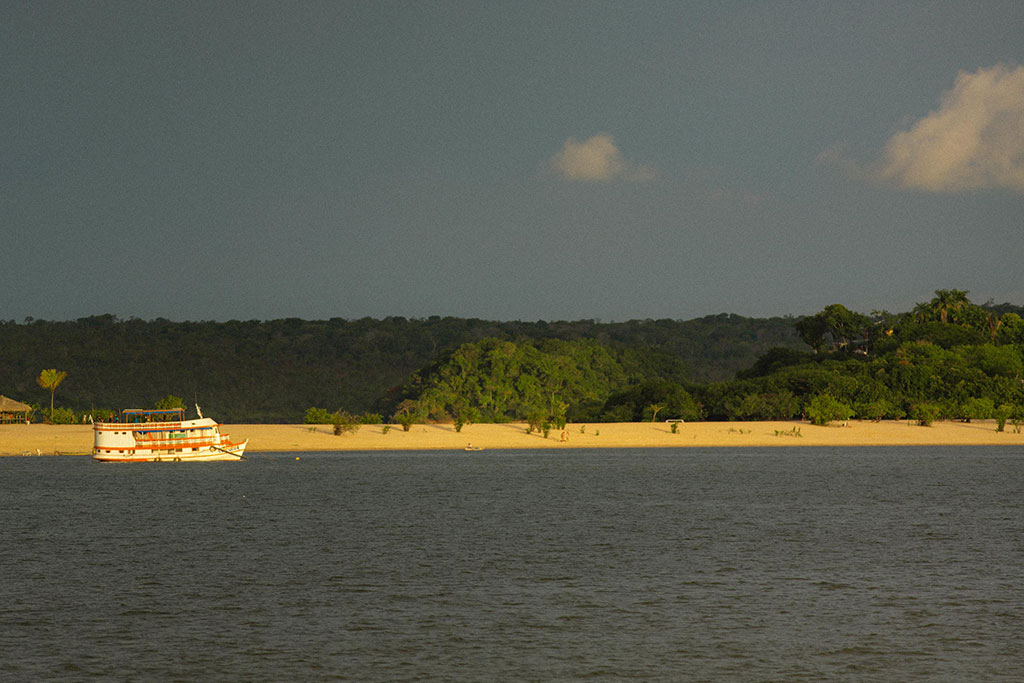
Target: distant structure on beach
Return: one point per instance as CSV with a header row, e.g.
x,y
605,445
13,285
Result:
x,y
13,411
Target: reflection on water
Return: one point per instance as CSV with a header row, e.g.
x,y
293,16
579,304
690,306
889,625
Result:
x,y
784,564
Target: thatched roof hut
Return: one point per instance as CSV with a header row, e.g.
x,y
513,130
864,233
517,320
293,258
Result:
x,y
13,411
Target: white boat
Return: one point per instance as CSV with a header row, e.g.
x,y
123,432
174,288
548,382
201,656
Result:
x,y
162,436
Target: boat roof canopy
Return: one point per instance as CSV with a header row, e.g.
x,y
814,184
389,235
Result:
x,y
152,415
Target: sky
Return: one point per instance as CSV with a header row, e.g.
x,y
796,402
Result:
x,y
507,161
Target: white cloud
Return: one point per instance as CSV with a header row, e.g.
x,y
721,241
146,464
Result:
x,y
597,159
975,139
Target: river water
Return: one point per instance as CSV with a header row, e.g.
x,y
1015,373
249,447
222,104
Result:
x,y
860,564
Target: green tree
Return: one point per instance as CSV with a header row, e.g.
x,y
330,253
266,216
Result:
x,y
497,381
948,304
836,323
878,409
170,402
1003,413
344,422
776,359
782,405
823,409
926,412
845,326
993,360
812,331
751,406
62,416
976,409
1011,331
408,414
638,402
951,306
316,416
51,379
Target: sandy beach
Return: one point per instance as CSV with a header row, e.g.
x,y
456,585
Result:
x,y
20,439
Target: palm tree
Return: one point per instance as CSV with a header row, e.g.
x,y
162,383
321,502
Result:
x,y
50,379
949,301
946,306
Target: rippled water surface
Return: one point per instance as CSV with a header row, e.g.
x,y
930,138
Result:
x,y
775,564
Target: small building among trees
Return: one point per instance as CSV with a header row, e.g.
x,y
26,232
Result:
x,y
13,411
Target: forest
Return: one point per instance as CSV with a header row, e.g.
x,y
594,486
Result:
x,y
948,358
273,371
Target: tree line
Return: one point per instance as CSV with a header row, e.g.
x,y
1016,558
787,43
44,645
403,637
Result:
x,y
273,371
947,358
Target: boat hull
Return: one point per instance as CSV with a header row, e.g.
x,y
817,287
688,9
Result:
x,y
229,452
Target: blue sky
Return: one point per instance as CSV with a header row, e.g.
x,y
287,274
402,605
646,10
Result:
x,y
606,160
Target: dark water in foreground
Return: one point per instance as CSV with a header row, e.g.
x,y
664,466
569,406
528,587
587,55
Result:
x,y
776,564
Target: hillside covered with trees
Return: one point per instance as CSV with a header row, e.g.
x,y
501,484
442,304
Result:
x,y
947,358
273,371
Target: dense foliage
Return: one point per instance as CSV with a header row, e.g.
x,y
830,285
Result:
x,y
552,381
947,358
273,371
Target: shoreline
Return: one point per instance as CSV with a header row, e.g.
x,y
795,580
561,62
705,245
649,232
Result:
x,y
42,439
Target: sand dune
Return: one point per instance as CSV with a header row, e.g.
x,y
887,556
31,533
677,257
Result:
x,y
77,439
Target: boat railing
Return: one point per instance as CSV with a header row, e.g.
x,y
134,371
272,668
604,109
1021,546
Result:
x,y
149,425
